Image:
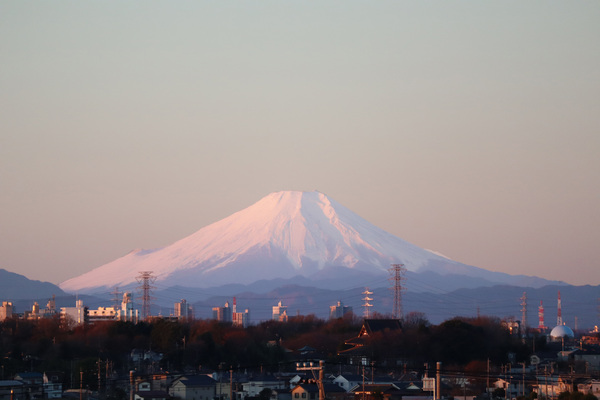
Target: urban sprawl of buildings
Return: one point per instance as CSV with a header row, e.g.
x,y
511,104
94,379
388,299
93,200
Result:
x,y
544,376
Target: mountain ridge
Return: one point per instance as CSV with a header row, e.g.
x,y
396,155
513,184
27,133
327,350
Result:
x,y
14,286
283,235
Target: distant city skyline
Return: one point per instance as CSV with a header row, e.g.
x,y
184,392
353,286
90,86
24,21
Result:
x,y
466,129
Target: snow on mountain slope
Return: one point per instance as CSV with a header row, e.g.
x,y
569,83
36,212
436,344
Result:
x,y
282,235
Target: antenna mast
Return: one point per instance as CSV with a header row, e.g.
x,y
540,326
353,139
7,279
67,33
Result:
x,y
145,279
397,272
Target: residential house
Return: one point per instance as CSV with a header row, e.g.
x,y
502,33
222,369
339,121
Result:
x,y
13,390
550,386
33,382
300,378
144,392
255,385
590,357
281,394
410,389
53,384
229,384
348,381
590,386
310,391
376,391
193,387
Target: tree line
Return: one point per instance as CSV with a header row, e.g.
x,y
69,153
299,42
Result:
x,y
50,345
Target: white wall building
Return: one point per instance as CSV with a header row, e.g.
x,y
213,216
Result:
x,y
6,310
280,312
77,314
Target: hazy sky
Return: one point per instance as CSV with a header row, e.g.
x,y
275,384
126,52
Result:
x,y
468,128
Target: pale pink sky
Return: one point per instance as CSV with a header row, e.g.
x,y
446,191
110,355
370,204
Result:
x,y
471,129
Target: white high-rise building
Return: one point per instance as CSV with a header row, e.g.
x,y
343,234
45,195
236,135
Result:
x,y
280,312
223,314
183,310
338,310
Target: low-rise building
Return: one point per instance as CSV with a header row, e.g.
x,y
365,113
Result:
x,y
193,387
53,385
12,390
310,391
76,315
144,392
257,384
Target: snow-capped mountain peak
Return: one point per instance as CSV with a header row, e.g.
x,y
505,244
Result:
x,y
283,235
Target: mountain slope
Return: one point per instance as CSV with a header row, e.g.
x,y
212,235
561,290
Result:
x,y
14,287
283,235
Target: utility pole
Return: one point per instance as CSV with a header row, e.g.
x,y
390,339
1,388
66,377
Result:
x,y
131,385
310,366
106,375
99,376
372,372
523,380
397,272
438,381
487,389
363,385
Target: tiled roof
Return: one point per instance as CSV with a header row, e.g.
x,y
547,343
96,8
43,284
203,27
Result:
x,y
378,325
197,380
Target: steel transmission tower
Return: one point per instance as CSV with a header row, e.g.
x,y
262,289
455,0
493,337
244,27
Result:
x,y
145,279
397,272
524,314
116,297
367,301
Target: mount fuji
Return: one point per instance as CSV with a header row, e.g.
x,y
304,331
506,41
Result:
x,y
289,235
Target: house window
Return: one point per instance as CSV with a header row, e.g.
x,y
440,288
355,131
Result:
x,y
304,395
296,395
